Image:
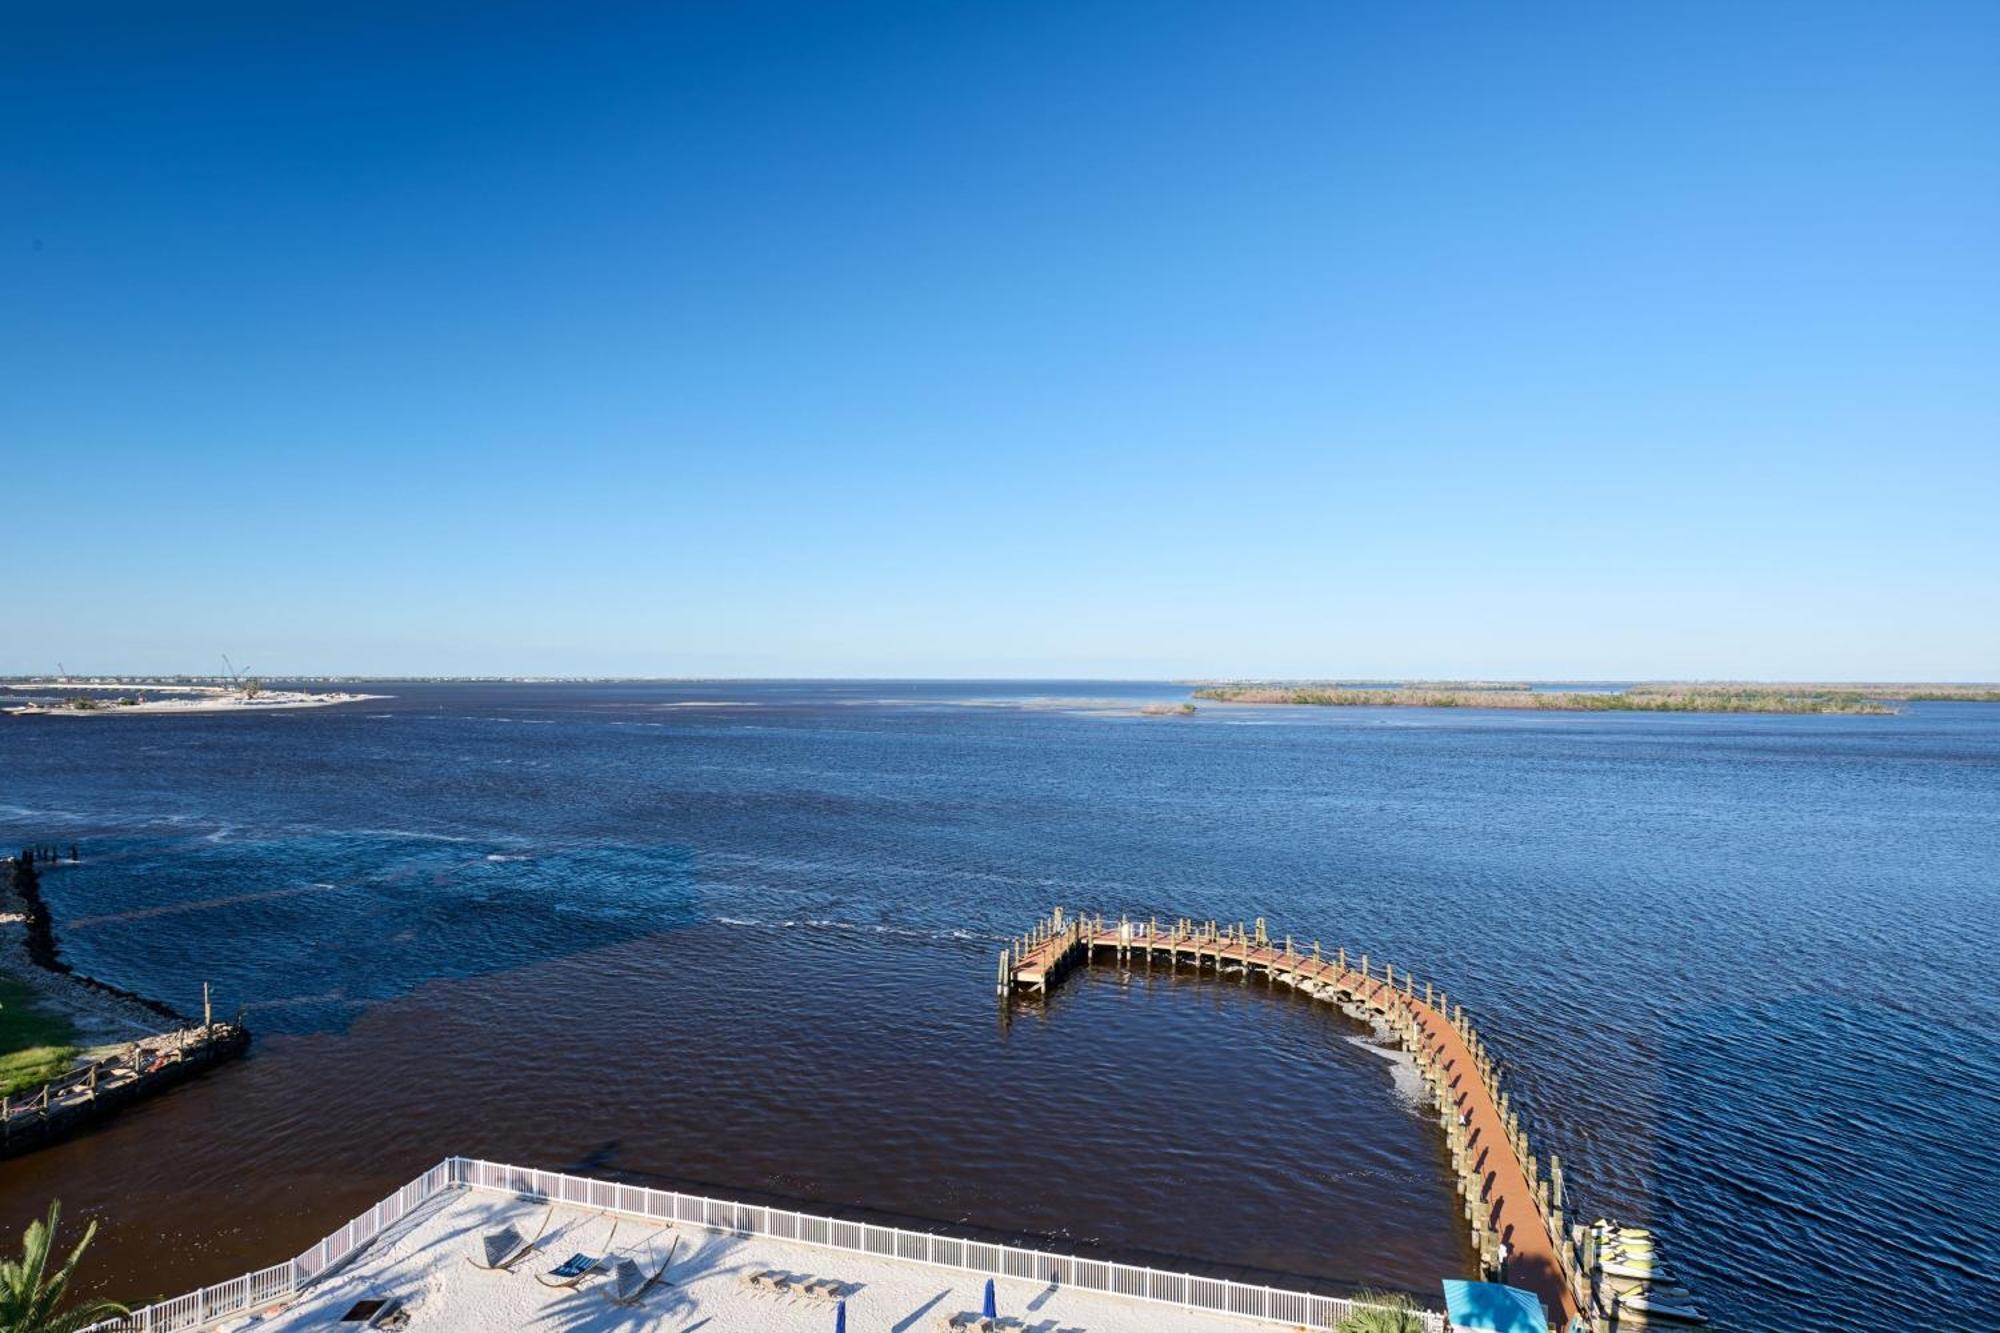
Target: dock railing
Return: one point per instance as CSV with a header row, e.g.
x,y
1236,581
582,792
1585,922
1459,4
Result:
x,y
245,1294
135,1061
1399,998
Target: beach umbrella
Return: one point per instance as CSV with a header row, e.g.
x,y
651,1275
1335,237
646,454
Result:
x,y
840,1318
1493,1308
990,1312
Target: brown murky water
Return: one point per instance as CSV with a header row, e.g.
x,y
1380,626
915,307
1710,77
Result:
x,y
1178,1119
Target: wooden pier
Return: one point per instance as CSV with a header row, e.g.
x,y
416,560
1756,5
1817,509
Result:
x,y
1508,1197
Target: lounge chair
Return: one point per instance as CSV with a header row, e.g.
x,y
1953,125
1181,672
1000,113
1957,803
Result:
x,y
578,1266
504,1247
630,1283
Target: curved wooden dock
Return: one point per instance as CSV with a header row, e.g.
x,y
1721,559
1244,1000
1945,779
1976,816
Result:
x,y
1507,1201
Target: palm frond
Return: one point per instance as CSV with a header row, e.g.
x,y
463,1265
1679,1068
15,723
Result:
x,y
30,1297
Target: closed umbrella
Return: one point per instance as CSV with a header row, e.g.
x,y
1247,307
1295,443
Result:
x,y
840,1318
990,1312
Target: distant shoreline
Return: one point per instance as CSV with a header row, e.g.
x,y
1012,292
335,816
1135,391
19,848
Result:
x,y
183,699
1855,699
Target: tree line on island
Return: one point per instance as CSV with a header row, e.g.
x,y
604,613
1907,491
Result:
x,y
1722,697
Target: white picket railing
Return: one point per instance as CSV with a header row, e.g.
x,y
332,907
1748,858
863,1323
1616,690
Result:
x,y
1217,1295
245,1294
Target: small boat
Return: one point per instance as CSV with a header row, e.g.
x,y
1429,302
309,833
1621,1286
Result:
x,y
1639,1285
1654,1306
1607,1231
1643,1270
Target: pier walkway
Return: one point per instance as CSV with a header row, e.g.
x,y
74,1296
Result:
x,y
1506,1199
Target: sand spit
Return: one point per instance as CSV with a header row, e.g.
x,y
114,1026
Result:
x,y
128,699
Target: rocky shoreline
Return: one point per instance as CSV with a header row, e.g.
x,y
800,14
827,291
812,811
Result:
x,y
101,1012
129,1047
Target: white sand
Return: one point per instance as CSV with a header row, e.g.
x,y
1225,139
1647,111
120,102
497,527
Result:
x,y
182,699
422,1261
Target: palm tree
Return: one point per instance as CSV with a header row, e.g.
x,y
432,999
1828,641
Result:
x,y
1382,1312
29,1295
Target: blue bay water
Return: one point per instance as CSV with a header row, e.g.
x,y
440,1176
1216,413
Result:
x,y
743,934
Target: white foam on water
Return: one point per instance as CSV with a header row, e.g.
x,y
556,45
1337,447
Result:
x,y
1410,1089
858,928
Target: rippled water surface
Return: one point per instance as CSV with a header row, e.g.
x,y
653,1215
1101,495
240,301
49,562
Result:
x,y
743,936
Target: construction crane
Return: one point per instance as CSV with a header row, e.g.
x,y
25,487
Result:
x,y
242,680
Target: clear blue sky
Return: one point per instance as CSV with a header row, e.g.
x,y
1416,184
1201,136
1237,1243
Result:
x,y
1602,340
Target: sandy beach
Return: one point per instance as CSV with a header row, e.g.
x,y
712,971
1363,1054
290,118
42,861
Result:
x,y
423,1262
174,699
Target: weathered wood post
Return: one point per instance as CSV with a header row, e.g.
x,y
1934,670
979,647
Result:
x,y
1005,973
1556,1192
207,1013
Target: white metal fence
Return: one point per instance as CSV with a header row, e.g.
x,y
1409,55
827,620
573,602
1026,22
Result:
x,y
1239,1299
244,1294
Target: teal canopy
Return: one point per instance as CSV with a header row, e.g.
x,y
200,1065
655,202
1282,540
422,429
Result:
x,y
1489,1305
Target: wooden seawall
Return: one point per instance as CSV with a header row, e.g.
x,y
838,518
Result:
x,y
1507,1198
67,1104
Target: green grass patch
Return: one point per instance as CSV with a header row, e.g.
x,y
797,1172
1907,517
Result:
x,y
35,1043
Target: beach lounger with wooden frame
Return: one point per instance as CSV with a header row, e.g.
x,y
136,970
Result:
x,y
570,1271
630,1283
503,1248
